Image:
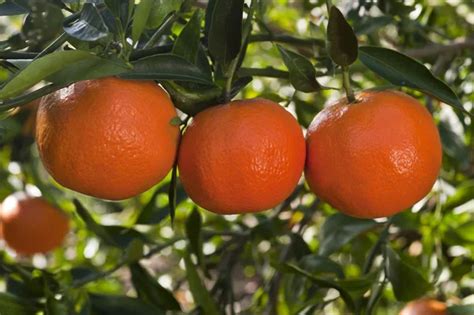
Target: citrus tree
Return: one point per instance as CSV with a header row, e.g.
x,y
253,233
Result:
x,y
152,153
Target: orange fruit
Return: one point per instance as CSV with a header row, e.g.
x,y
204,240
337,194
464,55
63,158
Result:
x,y
244,156
375,157
108,138
31,225
424,307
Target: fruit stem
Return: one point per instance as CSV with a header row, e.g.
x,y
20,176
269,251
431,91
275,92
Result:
x,y
346,82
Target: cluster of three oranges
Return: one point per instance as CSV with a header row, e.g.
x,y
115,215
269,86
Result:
x,y
113,139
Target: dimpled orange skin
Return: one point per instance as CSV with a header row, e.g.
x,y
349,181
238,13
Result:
x,y
31,225
108,138
373,158
424,307
244,156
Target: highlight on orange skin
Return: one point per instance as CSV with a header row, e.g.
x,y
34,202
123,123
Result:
x,y
31,225
373,158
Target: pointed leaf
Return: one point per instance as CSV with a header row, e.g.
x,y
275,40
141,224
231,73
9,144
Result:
x,y
161,9
402,70
188,42
339,229
225,30
166,67
407,282
302,72
193,231
90,26
12,305
149,290
342,42
201,295
118,304
140,17
41,68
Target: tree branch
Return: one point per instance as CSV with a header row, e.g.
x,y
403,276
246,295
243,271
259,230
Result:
x,y
437,49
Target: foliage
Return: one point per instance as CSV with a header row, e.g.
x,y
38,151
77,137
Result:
x,y
300,258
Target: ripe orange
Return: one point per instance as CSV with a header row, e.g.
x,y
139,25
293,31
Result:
x,y
424,307
244,156
375,157
108,138
31,225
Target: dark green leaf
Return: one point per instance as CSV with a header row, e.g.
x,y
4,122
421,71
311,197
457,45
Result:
x,y
201,295
342,42
88,69
402,70
149,290
12,305
167,67
461,309
161,9
302,72
322,283
44,67
10,8
92,225
140,18
118,304
466,231
189,40
339,229
172,191
373,24
225,30
90,26
315,264
193,231
55,307
407,282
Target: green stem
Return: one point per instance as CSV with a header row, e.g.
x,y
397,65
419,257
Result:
x,y
346,82
229,79
24,99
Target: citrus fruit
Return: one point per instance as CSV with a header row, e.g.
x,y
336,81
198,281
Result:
x,y
424,307
375,157
31,225
243,156
108,138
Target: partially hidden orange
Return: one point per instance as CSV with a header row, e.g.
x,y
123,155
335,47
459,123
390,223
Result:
x,y
240,157
31,225
108,138
424,307
375,157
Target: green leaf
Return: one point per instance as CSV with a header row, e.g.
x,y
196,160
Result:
x,y
315,264
342,42
461,309
88,69
193,231
201,295
90,26
322,283
134,251
167,67
40,69
339,229
225,30
149,290
118,304
402,70
12,305
160,10
92,225
407,282
189,41
150,213
464,193
466,231
55,307
140,18
172,191
302,72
